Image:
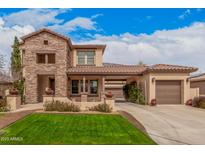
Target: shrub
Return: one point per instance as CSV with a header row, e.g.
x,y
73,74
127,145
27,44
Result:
x,y
102,108
2,102
3,105
61,106
197,100
4,109
134,94
202,104
19,85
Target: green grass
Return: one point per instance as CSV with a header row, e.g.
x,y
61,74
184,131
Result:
x,y
73,129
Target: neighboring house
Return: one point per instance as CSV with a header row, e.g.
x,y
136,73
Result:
x,y
77,72
198,81
5,83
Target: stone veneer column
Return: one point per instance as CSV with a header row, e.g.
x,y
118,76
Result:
x,y
61,85
31,89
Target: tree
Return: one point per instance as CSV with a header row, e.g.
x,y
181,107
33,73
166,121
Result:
x,y
141,63
16,60
16,69
2,63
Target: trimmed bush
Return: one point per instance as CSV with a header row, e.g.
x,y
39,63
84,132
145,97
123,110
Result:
x,y
3,105
197,100
61,106
102,108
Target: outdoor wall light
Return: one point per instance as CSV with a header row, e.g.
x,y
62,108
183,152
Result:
x,y
153,79
188,79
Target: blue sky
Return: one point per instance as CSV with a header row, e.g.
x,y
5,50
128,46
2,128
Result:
x,y
172,36
136,21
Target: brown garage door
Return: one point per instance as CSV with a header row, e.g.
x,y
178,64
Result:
x,y
168,92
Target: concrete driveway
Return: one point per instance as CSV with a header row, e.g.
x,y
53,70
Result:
x,y
169,124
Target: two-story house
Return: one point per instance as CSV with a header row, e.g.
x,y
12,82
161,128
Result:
x,y
77,72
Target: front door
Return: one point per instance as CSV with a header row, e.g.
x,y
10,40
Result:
x,y
52,84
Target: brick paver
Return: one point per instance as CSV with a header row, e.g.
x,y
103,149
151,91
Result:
x,y
10,118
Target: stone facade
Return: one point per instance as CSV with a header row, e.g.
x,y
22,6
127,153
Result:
x,y
31,69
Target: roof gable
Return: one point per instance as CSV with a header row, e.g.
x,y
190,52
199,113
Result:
x,y
47,31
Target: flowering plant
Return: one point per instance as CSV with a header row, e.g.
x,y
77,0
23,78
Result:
x,y
13,91
153,102
49,91
109,94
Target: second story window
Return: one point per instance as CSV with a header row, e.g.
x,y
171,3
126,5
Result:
x,y
45,42
48,58
41,58
86,57
51,58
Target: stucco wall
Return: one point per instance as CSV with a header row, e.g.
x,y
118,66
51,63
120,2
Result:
x,y
31,69
98,57
185,86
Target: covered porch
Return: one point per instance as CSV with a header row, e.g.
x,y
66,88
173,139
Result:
x,y
90,83
88,88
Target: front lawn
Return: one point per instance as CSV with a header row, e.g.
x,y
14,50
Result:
x,y
73,129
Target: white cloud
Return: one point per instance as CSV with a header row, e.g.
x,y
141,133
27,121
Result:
x,y
183,46
72,25
185,14
148,17
1,22
26,21
96,16
198,10
35,17
7,37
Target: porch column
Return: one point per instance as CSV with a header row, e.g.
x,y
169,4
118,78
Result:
x,y
103,84
83,84
84,94
103,89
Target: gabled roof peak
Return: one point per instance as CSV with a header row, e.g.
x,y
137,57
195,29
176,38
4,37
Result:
x,y
48,31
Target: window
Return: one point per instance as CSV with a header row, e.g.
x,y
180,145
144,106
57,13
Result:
x,y
90,58
81,58
93,86
41,58
51,58
45,42
86,57
75,84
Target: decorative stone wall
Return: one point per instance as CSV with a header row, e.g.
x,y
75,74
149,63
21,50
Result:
x,y
84,106
31,70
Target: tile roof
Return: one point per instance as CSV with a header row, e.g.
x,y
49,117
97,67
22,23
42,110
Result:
x,y
197,75
89,46
170,68
120,69
108,69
